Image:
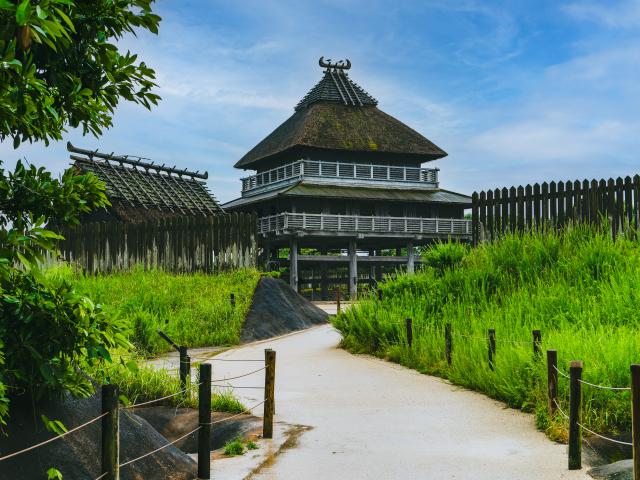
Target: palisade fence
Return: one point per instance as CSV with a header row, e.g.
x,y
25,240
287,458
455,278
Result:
x,y
553,205
180,244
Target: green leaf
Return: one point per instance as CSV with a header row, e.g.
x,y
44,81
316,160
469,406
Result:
x,y
22,12
54,474
7,5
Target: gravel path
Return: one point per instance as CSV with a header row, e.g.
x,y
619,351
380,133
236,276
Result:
x,y
372,419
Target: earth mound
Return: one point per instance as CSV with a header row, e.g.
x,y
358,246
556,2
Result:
x,y
77,456
278,309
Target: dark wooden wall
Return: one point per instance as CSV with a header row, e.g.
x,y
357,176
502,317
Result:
x,y
553,205
180,244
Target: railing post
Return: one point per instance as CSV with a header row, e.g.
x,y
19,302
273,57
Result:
x,y
337,300
185,367
269,393
635,419
575,414
204,420
110,434
537,343
232,299
492,347
409,328
448,343
552,380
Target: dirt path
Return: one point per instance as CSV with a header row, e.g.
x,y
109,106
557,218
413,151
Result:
x,y
375,420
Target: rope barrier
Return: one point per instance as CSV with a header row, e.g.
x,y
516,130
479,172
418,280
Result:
x,y
248,410
158,449
101,476
163,398
239,376
560,409
603,387
33,447
606,438
236,386
214,359
561,373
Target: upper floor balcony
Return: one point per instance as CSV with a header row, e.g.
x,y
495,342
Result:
x,y
343,173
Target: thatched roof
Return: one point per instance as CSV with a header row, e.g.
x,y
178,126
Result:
x,y
138,189
338,115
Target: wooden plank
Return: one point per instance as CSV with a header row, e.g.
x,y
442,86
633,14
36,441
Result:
x,y
512,209
544,199
528,207
504,209
483,214
537,206
628,201
475,218
489,214
553,205
561,203
496,212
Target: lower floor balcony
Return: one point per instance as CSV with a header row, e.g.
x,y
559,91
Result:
x,y
354,225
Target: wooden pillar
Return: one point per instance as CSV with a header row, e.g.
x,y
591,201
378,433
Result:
x,y
372,269
324,281
293,263
411,258
353,270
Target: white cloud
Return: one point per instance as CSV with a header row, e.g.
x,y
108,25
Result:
x,y
620,14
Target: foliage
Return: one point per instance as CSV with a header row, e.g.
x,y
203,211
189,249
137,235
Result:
x,y
234,447
578,287
51,331
60,65
194,310
252,445
444,256
141,383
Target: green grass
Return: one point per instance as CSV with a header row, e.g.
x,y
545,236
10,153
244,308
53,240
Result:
x,y
580,288
138,383
234,447
194,309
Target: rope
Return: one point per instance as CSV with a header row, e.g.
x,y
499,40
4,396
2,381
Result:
x,y
102,476
163,398
560,409
248,410
606,438
561,373
214,359
239,376
604,387
54,438
235,386
158,449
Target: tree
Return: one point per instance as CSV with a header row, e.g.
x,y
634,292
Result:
x,y
58,67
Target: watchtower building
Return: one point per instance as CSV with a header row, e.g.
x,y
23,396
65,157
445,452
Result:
x,y
341,184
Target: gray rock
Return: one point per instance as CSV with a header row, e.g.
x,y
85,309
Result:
x,y
622,470
277,309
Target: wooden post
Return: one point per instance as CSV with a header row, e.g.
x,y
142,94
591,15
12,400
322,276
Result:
x,y
293,263
337,300
204,420
232,299
110,434
379,294
552,380
492,347
269,393
409,328
447,342
185,367
410,258
635,419
575,415
537,344
353,270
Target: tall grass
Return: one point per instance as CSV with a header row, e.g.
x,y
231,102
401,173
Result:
x,y
194,309
579,287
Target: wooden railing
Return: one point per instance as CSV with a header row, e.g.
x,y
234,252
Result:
x,y
323,222
337,170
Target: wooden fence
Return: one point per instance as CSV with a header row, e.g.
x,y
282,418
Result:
x,y
181,244
552,205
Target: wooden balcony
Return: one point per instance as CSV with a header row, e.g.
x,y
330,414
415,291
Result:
x,y
343,173
348,225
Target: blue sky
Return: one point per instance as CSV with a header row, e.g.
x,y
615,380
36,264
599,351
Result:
x,y
514,91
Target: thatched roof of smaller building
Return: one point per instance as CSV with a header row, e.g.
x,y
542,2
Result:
x,y
140,190
338,115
